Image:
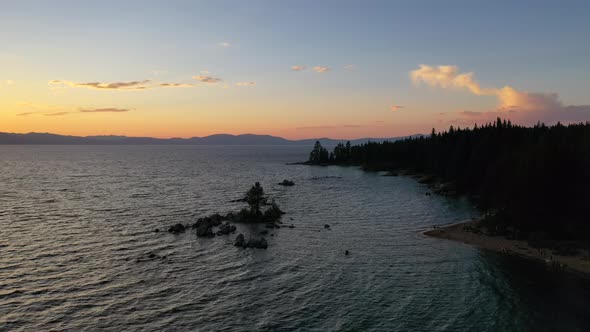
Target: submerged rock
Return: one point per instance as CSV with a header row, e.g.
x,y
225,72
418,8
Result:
x,y
287,183
259,243
326,226
176,229
240,241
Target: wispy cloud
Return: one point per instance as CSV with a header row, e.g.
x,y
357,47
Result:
x,y
246,83
321,69
105,110
351,67
51,110
297,68
525,107
394,108
133,85
57,113
224,44
207,79
175,85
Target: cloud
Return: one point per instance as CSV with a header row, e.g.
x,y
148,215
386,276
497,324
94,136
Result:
x,y
320,69
297,68
224,44
175,85
350,67
57,113
522,106
49,110
246,83
394,108
133,85
105,110
207,79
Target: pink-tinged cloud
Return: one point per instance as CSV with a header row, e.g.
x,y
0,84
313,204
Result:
x,y
394,108
207,79
297,68
521,106
320,69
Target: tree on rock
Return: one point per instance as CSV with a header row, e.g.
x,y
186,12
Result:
x,y
255,198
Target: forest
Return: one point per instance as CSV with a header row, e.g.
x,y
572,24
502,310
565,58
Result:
x,y
529,180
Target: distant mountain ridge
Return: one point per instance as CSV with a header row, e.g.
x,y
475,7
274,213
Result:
x,y
217,139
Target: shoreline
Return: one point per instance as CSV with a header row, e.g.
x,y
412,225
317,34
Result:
x,y
459,232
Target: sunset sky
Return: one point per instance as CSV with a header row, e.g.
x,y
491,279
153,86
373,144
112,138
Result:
x,y
296,69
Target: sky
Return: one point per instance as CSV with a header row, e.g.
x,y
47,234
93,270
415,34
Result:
x,y
295,69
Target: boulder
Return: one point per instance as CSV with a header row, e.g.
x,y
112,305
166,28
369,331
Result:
x,y
226,228
259,243
204,229
215,219
240,241
326,226
176,229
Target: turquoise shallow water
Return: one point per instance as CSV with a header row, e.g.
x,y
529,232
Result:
x,y
74,219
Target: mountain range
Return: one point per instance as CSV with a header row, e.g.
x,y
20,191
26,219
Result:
x,y
218,139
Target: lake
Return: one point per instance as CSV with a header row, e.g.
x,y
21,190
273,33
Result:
x,y
74,220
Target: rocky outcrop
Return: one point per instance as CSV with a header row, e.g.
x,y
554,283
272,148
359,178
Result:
x,y
287,183
205,225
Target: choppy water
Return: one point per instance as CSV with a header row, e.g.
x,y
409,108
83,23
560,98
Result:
x,y
74,219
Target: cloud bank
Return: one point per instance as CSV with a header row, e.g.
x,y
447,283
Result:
x,y
524,107
297,68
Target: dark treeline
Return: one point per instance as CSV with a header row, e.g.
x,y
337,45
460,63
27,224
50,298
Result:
x,y
532,179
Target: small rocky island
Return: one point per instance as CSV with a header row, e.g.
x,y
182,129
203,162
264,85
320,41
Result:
x,y
259,211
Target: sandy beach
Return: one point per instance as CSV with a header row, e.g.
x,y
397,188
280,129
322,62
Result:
x,y
459,232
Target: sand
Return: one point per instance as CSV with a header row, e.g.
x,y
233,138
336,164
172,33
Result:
x,y
455,232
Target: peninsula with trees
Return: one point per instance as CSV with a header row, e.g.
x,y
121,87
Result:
x,y
532,184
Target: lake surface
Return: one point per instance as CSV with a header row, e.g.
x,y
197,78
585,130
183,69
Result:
x,y
74,220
